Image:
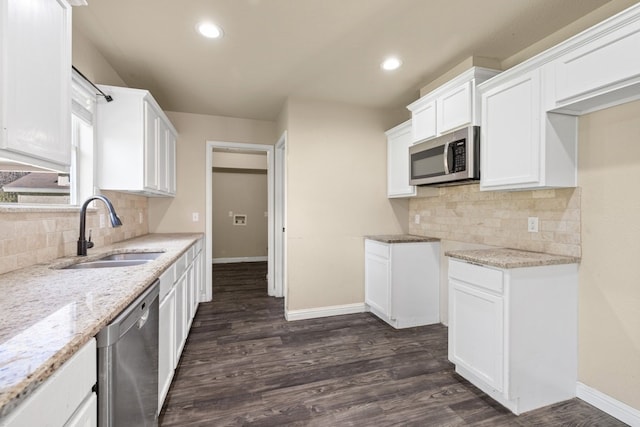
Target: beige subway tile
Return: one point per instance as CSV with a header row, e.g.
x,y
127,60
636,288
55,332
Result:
x,y
543,194
8,263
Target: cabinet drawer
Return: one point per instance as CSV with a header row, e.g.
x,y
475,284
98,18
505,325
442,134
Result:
x,y
167,279
190,254
477,275
372,247
181,266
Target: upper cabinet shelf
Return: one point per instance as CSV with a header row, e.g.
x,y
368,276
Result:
x,y
35,82
529,112
451,106
136,144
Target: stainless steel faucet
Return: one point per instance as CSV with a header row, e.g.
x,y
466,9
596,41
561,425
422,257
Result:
x,y
83,245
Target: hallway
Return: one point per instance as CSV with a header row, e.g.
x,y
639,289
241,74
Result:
x,y
245,365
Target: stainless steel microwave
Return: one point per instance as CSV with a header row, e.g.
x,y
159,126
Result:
x,y
449,159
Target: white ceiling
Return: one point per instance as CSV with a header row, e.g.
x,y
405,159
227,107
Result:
x,y
320,49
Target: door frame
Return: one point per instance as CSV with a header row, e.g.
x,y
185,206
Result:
x,y
269,150
280,219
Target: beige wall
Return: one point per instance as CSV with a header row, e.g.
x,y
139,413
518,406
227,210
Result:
x,y
609,308
336,186
245,194
194,130
91,63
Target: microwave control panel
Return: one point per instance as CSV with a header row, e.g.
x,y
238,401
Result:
x,y
459,156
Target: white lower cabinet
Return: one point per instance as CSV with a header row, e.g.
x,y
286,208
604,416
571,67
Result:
x,y
65,399
402,282
180,320
179,298
166,345
85,416
513,332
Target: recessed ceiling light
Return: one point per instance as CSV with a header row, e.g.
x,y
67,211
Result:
x,y
209,30
391,63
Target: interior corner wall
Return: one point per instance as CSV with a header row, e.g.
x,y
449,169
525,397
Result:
x,y
174,214
336,194
239,194
609,278
91,63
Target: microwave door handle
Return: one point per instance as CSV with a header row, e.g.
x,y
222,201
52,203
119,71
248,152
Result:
x,y
446,158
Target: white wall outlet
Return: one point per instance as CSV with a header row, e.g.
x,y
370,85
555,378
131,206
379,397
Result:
x,y
195,217
103,222
532,224
230,214
416,219
266,214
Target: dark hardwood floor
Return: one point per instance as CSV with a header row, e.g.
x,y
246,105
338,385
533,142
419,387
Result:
x,y
245,365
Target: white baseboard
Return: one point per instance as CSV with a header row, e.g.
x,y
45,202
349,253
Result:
x,y
608,404
334,310
239,259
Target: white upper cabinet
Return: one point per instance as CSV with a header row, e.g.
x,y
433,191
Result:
x,y
601,67
136,144
423,117
521,146
451,106
398,141
35,79
529,124
454,108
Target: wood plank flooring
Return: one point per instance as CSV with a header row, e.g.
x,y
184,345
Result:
x,y
245,365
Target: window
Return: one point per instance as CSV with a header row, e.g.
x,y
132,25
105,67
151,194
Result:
x,y
27,184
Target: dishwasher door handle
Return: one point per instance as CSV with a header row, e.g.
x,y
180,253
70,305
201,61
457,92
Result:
x,y
143,319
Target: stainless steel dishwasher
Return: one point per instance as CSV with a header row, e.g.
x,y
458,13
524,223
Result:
x,y
128,365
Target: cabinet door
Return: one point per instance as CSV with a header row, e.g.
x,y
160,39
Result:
x,y
454,108
510,134
181,324
603,64
171,163
163,157
35,82
378,283
398,143
166,345
151,131
423,121
86,415
476,335
190,296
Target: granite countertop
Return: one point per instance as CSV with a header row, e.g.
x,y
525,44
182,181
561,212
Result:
x,y
401,238
48,314
510,258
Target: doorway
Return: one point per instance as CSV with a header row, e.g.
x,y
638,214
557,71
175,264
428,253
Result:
x,y
273,268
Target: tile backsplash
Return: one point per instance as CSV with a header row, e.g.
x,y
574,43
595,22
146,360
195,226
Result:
x,y
32,236
496,218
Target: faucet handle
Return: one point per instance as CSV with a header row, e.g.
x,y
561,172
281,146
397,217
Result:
x,y
89,242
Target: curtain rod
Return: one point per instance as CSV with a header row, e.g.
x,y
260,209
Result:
x,y
109,98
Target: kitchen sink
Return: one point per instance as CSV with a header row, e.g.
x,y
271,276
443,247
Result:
x,y
107,263
132,256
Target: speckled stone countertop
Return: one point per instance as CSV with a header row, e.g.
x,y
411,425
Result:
x,y
510,258
401,238
48,314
